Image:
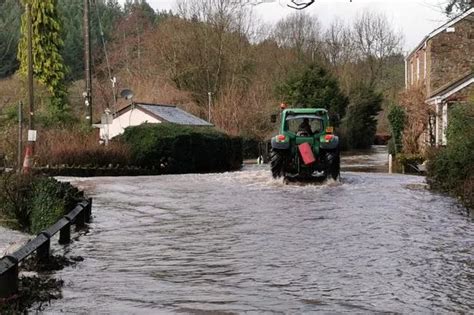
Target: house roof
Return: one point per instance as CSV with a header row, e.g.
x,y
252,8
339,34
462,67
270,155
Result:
x,y
168,113
446,91
441,29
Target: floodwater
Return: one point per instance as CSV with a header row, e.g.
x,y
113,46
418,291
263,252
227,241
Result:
x,y
243,242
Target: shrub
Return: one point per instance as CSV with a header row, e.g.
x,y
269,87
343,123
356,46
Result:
x,y
250,148
78,147
182,149
314,87
34,203
451,169
410,162
360,123
396,117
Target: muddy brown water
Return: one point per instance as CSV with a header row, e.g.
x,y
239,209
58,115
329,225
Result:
x,y
245,243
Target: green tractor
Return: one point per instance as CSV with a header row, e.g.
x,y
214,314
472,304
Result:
x,y
305,148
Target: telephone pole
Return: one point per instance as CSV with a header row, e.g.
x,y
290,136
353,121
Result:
x,y
30,149
87,63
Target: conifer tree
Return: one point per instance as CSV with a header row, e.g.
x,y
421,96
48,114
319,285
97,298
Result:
x,y
48,65
9,35
314,87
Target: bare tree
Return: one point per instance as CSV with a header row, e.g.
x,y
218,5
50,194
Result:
x,y
455,6
375,40
339,46
299,31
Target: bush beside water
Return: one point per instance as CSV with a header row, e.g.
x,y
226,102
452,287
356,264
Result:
x,y
178,149
33,203
451,169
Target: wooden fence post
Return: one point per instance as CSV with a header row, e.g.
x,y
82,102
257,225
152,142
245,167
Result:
x,y
89,211
42,253
9,279
65,234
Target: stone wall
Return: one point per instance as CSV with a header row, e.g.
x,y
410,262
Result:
x,y
451,55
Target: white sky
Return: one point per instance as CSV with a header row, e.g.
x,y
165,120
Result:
x,y
414,18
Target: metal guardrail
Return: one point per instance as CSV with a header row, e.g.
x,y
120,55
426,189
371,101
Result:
x,y
79,216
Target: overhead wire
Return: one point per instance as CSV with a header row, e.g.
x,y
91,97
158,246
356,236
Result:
x,y
104,46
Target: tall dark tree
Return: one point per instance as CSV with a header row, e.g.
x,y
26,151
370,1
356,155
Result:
x,y
315,87
72,52
360,123
10,11
104,16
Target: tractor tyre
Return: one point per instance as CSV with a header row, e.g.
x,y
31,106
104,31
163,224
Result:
x,y
333,164
278,160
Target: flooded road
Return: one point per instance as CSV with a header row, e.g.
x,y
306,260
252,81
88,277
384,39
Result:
x,y
245,243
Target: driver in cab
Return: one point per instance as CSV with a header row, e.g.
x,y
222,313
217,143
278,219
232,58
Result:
x,y
305,128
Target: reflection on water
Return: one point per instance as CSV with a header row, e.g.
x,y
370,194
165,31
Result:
x,y
371,160
245,243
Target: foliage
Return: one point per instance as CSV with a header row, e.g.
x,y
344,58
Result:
x,y
48,65
360,125
78,147
315,87
35,202
183,149
456,6
10,11
410,162
397,118
452,169
222,50
413,103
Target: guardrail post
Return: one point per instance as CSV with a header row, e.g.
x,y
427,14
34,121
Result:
x,y
65,234
9,280
81,219
88,211
42,253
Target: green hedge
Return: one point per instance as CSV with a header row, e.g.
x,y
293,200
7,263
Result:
x,y
33,203
451,169
176,149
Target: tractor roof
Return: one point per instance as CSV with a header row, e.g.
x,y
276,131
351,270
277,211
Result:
x,y
303,111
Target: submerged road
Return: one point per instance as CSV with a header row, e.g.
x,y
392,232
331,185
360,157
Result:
x,y
245,243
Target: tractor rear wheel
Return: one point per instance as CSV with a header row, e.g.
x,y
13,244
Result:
x,y
333,164
278,162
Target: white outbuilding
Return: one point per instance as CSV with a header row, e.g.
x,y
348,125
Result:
x,y
138,113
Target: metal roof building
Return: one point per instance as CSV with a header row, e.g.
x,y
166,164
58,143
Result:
x,y
138,113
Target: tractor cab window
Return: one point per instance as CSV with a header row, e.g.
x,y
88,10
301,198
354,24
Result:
x,y
306,125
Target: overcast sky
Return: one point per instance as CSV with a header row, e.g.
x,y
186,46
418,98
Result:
x,y
414,18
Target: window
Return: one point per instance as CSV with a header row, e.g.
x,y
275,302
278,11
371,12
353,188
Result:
x,y
417,67
424,65
294,124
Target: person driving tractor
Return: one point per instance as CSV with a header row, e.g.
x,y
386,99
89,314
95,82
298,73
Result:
x,y
305,127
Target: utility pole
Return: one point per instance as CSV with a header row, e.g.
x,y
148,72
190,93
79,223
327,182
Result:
x,y
87,63
20,136
209,94
30,149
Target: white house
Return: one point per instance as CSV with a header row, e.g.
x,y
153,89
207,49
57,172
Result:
x,y
138,113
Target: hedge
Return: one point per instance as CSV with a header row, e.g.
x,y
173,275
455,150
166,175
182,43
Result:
x,y
451,169
33,203
175,149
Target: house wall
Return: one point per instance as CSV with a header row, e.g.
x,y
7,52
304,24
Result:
x,y
451,54
133,117
417,69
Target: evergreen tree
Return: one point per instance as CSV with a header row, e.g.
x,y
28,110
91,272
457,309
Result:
x,y
360,124
71,13
10,11
315,87
48,65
